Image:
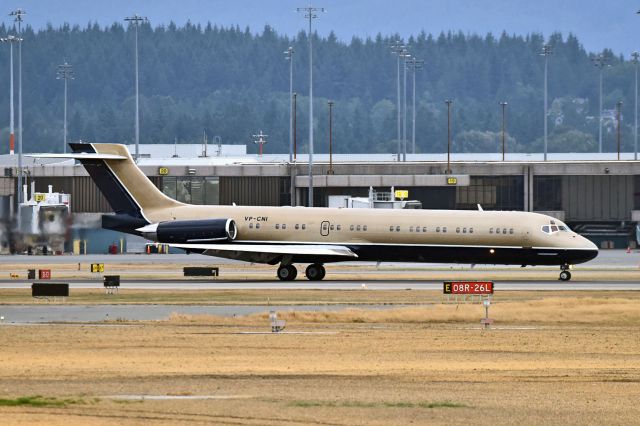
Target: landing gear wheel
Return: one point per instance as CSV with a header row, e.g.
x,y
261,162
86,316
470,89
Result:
x,y
565,276
287,272
315,272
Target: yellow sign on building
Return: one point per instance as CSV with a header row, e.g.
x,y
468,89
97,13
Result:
x,y
163,171
39,197
452,180
402,194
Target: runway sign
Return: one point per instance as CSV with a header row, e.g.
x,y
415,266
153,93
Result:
x,y
97,267
50,290
468,287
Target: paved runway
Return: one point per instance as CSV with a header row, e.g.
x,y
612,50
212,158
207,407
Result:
x,y
334,285
47,313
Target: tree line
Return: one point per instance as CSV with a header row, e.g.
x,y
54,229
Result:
x,y
231,82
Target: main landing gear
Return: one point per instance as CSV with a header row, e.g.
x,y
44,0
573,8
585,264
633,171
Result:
x,y
565,275
314,272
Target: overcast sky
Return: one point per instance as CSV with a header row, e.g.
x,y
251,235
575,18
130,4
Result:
x,y
598,24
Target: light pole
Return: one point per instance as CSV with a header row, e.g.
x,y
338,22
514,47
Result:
x,y
406,58
295,126
546,51
635,56
330,103
310,14
289,57
414,65
135,20
398,49
448,102
504,105
17,17
11,40
600,62
618,108
65,72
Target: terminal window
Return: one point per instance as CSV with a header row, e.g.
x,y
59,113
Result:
x,y
192,189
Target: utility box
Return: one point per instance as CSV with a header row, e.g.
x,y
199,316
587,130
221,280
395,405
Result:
x,y
44,274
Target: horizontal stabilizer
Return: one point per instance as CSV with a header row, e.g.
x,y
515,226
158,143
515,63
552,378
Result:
x,y
80,156
293,249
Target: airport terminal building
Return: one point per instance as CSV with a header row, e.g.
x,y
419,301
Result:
x,y
597,194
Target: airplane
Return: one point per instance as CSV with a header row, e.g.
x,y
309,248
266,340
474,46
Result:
x,y
316,235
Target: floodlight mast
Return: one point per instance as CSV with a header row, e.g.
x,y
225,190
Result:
x,y
600,61
406,57
136,20
18,18
11,40
546,51
398,48
289,57
636,57
310,13
65,72
414,65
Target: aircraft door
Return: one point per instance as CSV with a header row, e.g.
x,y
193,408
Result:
x,y
324,228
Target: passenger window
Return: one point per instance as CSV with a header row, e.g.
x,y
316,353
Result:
x,y
277,226
331,227
258,226
297,226
391,228
411,229
491,230
304,226
444,229
437,229
457,230
284,226
397,228
251,225
364,228
471,230
464,230
338,227
504,231
417,229
511,231
324,227
424,229
351,227
358,228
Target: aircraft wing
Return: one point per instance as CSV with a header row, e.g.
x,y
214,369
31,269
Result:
x,y
264,251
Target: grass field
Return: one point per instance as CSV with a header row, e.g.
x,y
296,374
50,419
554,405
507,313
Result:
x,y
571,358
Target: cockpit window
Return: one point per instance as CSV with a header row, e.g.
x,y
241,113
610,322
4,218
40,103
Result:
x,y
553,227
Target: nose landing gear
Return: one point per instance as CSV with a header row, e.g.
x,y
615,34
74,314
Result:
x,y
565,275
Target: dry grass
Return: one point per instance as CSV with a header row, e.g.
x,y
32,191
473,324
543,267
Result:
x,y
546,311
579,363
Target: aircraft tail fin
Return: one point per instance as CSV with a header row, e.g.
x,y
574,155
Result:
x,y
126,188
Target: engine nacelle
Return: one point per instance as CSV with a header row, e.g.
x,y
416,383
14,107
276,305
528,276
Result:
x,y
191,231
